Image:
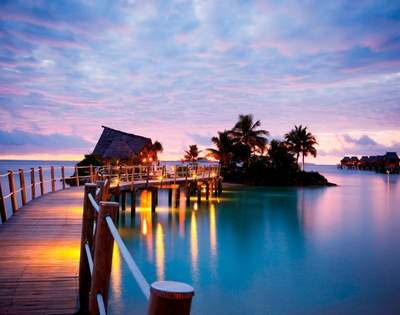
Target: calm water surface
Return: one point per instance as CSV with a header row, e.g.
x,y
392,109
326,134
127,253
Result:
x,y
273,250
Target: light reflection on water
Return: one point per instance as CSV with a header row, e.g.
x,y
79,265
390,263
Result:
x,y
272,250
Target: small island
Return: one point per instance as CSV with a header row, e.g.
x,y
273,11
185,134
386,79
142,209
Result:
x,y
246,156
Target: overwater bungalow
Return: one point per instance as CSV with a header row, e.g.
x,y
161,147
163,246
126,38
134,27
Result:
x,y
388,163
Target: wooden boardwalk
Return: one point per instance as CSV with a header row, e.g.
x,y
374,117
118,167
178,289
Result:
x,y
39,256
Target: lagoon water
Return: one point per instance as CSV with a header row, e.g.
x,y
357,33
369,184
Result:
x,y
331,250
260,251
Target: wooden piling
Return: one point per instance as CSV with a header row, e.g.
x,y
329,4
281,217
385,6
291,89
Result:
x,y
53,179
33,184
103,253
198,190
133,202
63,177
22,185
14,203
77,175
41,180
170,191
86,238
3,210
207,191
177,196
170,298
154,193
123,197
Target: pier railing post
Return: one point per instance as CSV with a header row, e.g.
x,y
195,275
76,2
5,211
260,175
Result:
x,y
63,177
22,185
103,252
91,173
86,238
170,298
33,184
14,203
53,179
3,211
41,179
77,175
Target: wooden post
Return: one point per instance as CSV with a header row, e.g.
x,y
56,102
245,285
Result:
x,y
53,180
63,177
126,174
154,193
186,175
41,180
207,191
219,186
86,238
91,173
148,175
170,197
177,196
103,253
170,298
14,203
3,211
198,188
133,179
22,185
123,197
187,194
133,202
77,175
174,174
33,184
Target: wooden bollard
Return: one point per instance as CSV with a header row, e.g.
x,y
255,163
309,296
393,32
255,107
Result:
x,y
3,211
103,253
14,203
170,298
63,177
33,184
22,185
86,238
77,175
41,179
53,179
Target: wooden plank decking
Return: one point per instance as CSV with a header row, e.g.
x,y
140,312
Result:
x,y
39,256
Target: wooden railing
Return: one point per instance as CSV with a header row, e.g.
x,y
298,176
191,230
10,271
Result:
x,y
36,184
98,235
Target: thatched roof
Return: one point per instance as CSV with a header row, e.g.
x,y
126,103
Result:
x,y
116,144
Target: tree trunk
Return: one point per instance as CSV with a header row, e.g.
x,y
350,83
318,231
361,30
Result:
x,y
303,161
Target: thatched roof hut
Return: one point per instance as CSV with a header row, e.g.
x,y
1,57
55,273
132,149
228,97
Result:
x,y
118,145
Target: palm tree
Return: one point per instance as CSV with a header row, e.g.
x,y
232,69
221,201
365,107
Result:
x,y
301,141
192,155
224,151
150,152
246,132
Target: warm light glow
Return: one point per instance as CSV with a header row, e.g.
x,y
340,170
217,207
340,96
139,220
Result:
x,y
194,176
194,247
150,159
116,181
195,206
116,276
212,174
213,231
160,177
144,160
144,226
160,252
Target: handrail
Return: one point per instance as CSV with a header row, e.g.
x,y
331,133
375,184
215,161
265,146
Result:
x,y
140,279
100,303
89,257
94,203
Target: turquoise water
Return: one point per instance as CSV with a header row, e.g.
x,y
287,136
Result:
x,y
272,250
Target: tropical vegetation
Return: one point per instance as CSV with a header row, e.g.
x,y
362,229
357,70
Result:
x,y
246,157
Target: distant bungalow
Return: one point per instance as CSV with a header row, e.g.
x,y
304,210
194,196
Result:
x,y
389,162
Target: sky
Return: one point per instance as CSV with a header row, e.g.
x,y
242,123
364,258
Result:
x,y
179,71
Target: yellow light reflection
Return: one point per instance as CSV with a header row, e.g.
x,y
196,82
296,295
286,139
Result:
x,y
144,226
213,231
194,247
195,206
116,276
160,252
182,214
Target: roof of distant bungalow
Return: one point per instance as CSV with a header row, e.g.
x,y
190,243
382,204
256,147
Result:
x,y
116,144
392,156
